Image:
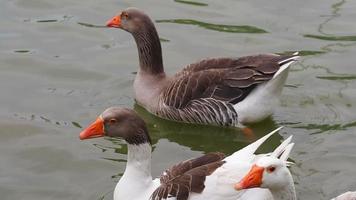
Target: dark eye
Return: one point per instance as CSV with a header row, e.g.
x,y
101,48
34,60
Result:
x,y
271,169
112,121
124,16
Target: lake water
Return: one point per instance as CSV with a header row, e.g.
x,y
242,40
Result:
x,y
58,71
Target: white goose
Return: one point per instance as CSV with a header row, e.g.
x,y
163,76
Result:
x,y
271,173
209,177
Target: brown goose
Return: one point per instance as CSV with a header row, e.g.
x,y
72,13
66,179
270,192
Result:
x,y
209,177
219,91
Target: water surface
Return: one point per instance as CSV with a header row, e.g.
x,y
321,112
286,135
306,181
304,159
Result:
x,y
60,69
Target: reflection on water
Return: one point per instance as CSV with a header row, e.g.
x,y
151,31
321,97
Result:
x,y
163,39
332,37
215,27
91,25
336,8
303,52
47,20
340,77
322,128
76,124
195,3
201,138
56,19
205,138
22,51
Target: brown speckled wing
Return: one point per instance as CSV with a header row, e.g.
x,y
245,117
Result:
x,y
225,79
187,176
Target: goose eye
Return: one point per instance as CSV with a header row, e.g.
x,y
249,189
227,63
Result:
x,y
112,121
124,16
271,169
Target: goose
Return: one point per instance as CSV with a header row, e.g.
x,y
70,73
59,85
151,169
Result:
x,y
271,172
217,91
209,177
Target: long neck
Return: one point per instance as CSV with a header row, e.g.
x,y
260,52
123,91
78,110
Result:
x,y
149,49
139,161
138,167
137,176
285,193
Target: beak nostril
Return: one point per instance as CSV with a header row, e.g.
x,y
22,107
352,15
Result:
x,y
114,22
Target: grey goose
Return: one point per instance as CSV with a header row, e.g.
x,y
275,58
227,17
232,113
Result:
x,y
217,91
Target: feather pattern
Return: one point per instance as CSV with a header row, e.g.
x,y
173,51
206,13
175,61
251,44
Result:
x,y
205,92
187,176
202,111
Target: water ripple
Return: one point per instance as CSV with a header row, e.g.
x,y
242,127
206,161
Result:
x,y
332,37
215,27
303,52
194,3
342,77
322,128
91,25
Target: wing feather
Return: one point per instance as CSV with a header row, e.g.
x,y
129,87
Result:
x,y
187,176
225,79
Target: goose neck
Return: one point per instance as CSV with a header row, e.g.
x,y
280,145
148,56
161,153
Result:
x,y
149,49
285,193
139,161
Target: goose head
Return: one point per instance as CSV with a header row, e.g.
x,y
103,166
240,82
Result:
x,y
132,20
145,34
120,123
268,172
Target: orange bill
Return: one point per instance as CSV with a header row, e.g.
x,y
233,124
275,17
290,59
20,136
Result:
x,y
96,129
252,179
114,22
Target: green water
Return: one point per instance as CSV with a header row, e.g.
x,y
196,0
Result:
x,y
60,68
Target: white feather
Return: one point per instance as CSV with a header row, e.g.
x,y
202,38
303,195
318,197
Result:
x,y
281,148
261,102
248,151
285,154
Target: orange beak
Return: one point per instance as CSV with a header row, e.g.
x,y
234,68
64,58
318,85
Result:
x,y
115,22
96,129
252,179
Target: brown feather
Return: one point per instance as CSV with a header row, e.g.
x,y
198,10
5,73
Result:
x,y
188,176
225,79
202,91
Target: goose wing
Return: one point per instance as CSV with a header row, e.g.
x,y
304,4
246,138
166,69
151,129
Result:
x,y
224,79
187,176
